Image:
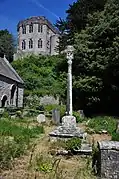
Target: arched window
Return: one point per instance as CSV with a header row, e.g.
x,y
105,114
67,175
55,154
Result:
x,y
12,88
30,43
40,43
3,101
30,28
40,28
23,45
24,29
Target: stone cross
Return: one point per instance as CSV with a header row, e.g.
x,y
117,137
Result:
x,y
69,56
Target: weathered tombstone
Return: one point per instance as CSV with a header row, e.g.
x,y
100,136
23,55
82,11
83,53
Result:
x,y
108,160
117,130
41,118
81,113
56,116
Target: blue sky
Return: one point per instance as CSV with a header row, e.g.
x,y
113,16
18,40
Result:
x,y
12,11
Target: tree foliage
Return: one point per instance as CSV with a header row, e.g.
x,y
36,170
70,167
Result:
x,y
7,46
40,75
76,20
96,65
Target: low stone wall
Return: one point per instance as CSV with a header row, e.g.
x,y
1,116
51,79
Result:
x,y
46,100
108,160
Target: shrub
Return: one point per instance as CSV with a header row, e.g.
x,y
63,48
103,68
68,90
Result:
x,y
31,112
77,115
115,136
73,143
103,123
62,109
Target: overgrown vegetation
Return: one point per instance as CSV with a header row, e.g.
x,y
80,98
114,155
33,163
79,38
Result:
x,y
15,139
99,124
41,76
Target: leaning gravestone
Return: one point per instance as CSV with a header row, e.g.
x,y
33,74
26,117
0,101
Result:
x,y
41,118
56,116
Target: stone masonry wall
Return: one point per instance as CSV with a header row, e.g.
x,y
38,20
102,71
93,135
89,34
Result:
x,y
46,100
49,36
5,90
109,159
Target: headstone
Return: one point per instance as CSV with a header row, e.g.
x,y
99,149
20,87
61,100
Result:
x,y
81,113
41,118
107,163
117,130
56,116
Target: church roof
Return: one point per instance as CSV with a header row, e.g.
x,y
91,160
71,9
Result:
x,y
8,71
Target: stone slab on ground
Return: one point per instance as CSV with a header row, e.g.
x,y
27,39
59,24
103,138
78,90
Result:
x,y
65,133
86,149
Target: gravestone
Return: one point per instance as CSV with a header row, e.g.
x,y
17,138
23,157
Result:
x,y
56,116
41,118
117,130
81,113
108,160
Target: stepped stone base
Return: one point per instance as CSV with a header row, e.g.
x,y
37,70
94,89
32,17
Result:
x,y
67,130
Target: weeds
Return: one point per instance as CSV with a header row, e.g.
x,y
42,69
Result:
x,y
15,140
103,123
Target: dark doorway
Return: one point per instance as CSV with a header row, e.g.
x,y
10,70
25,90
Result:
x,y
3,101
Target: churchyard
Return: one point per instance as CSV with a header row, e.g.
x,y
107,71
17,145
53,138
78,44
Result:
x,y
26,150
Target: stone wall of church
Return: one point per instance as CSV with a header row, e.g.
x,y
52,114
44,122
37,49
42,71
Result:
x,y
5,93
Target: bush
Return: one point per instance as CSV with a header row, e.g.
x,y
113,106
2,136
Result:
x,y
103,123
31,112
62,108
77,115
73,143
115,136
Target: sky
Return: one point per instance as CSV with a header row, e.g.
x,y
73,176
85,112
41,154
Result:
x,y
12,11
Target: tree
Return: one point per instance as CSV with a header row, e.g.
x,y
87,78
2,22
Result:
x,y
76,20
96,64
61,25
7,46
77,14
41,76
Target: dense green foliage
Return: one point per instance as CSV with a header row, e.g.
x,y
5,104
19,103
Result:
x,y
76,20
97,59
40,75
94,30
7,45
99,124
